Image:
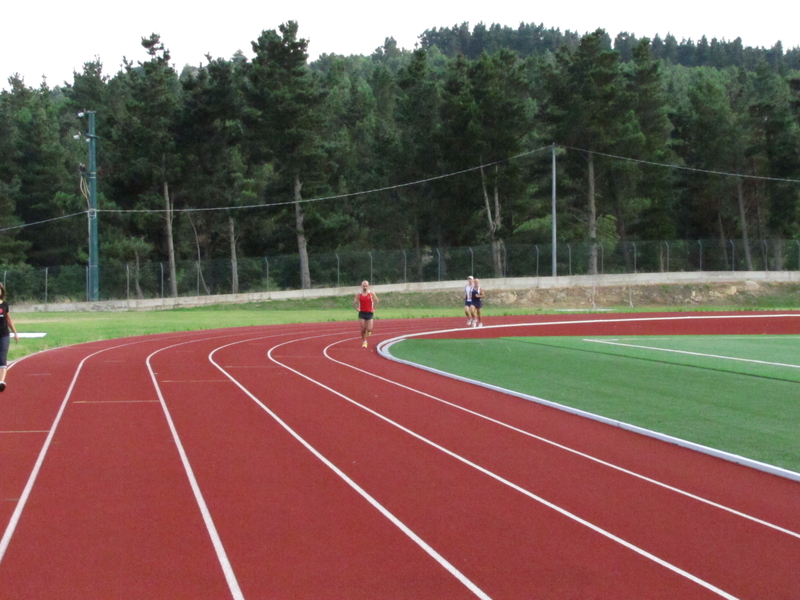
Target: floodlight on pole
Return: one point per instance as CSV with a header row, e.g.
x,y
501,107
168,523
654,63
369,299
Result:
x,y
91,177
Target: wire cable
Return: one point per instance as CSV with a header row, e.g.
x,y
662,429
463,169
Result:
x,y
683,168
335,197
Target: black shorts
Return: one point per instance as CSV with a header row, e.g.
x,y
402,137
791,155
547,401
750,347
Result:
x,y
477,304
5,341
366,316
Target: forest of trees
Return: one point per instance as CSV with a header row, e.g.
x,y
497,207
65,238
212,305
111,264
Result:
x,y
444,146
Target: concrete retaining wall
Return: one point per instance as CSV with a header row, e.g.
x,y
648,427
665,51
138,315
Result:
x,y
516,283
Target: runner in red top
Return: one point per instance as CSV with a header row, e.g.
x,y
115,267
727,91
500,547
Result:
x,y
365,302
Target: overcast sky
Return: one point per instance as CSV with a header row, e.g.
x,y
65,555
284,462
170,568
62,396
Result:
x,y
54,38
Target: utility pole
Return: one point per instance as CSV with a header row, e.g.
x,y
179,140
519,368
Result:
x,y
553,202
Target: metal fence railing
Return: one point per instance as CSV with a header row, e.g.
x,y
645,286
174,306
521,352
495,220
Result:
x,y
119,281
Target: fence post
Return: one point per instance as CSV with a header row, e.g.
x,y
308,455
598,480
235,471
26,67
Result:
x,y
45,286
700,243
439,264
733,256
569,250
128,280
337,268
471,260
266,260
634,256
162,279
602,258
405,268
798,254
537,260
370,267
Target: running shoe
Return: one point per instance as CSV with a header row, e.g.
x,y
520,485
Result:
x,y
2,386
364,345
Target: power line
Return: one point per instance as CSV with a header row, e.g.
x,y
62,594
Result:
x,y
683,168
413,183
335,197
45,221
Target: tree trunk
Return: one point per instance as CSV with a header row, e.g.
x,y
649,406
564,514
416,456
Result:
x,y
777,255
136,285
743,224
173,275
234,260
199,257
302,244
494,224
592,219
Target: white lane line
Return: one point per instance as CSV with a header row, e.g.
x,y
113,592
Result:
x,y
702,354
222,555
574,451
539,499
23,499
363,493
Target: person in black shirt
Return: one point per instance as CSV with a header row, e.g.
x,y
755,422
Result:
x,y
6,324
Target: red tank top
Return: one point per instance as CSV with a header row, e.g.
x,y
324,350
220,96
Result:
x,y
365,302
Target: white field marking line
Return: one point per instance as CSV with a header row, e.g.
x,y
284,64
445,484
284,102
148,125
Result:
x,y
383,350
358,489
577,452
525,492
734,458
23,499
749,360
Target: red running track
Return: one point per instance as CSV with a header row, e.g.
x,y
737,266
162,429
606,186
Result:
x,y
288,462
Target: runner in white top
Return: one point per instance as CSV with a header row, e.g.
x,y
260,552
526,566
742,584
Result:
x,y
468,301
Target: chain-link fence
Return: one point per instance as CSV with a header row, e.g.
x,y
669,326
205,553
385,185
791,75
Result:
x,y
120,281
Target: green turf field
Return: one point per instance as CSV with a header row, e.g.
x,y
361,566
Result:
x,y
740,394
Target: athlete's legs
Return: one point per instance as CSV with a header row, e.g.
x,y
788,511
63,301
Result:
x,y
4,342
